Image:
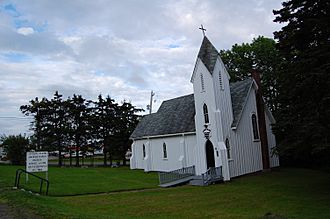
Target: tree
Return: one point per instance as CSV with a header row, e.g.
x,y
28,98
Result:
x,y
37,109
78,113
50,124
105,112
260,55
93,128
125,123
79,124
16,147
303,120
57,125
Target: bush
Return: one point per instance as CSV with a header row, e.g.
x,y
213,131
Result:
x,y
16,147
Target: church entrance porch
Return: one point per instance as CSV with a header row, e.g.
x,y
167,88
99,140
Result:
x,y
210,161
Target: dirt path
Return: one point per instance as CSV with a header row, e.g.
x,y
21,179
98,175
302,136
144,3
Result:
x,y
10,212
5,212
113,192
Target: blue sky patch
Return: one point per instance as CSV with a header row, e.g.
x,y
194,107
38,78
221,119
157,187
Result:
x,y
173,46
19,21
15,57
25,23
11,9
98,72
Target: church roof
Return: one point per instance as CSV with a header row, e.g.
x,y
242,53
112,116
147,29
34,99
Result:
x,y
173,116
178,115
208,54
239,92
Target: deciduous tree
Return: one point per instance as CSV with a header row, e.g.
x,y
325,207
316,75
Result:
x,y
16,147
260,55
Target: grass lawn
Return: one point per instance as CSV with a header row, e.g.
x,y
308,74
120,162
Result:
x,y
73,181
287,193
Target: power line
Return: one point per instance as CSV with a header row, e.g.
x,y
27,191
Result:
x,y
14,117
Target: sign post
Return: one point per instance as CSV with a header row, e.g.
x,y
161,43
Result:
x,y
37,161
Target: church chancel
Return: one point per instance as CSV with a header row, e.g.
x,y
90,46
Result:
x,y
223,129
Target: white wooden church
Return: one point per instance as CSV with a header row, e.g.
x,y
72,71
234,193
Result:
x,y
221,124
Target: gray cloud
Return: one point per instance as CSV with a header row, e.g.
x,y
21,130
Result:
x,y
120,48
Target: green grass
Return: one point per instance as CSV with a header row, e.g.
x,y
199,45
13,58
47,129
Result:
x,y
282,193
73,181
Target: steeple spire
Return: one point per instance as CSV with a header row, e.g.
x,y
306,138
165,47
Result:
x,y
208,54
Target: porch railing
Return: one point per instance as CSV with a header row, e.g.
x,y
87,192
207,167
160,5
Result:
x,y
166,177
213,174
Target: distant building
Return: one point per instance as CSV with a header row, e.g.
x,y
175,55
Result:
x,y
2,152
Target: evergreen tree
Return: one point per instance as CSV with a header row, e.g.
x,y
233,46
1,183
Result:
x,y
77,106
92,128
37,109
125,123
57,124
105,113
303,121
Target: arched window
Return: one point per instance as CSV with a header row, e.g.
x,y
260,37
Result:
x,y
206,114
164,150
202,82
228,148
144,150
255,127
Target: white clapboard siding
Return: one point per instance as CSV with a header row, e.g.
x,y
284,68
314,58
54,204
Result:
x,y
201,97
223,97
180,153
245,153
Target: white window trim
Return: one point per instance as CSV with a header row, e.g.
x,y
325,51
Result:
x,y
230,148
165,158
208,114
144,151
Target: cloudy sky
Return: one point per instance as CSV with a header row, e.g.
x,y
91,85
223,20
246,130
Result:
x,y
122,48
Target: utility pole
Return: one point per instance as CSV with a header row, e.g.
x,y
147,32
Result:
x,y
152,94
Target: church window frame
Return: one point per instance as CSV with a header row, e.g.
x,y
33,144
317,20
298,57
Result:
x,y
206,114
144,151
202,82
165,155
255,127
227,143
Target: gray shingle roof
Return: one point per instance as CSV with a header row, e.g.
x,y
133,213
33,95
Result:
x,y
208,54
239,91
173,116
177,115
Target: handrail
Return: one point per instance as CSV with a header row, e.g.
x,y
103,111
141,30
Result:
x,y
211,175
18,176
166,177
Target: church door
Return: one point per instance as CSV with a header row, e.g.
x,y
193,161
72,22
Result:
x,y
210,154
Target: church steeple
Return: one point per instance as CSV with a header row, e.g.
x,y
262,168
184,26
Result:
x,y
208,54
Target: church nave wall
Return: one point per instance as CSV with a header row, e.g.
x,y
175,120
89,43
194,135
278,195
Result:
x,y
179,151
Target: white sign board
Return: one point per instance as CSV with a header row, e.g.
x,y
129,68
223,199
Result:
x,y
37,161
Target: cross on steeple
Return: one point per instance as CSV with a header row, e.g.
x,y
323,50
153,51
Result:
x,y
202,29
